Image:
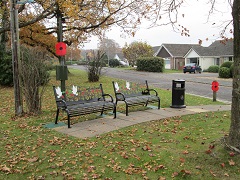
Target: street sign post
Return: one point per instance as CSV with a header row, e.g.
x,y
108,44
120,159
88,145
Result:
x,y
215,88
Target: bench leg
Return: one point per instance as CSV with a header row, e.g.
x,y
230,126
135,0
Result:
x,y
102,111
126,109
159,103
115,111
56,120
146,103
69,122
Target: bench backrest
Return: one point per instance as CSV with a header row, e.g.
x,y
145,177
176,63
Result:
x,y
129,88
77,93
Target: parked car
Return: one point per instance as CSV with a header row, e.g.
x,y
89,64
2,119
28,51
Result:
x,y
192,67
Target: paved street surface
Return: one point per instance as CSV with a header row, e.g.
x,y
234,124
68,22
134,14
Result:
x,y
106,124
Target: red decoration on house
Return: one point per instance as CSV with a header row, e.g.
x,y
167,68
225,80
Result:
x,y
215,86
61,49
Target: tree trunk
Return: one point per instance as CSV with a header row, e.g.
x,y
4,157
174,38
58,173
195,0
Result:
x,y
234,134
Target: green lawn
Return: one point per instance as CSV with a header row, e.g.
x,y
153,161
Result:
x,y
172,71
184,147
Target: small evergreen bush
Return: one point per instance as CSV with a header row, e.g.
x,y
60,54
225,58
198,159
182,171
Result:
x,y
114,63
6,71
224,72
150,64
227,64
213,69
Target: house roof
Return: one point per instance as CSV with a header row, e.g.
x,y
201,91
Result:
x,y
120,55
177,50
217,48
155,49
222,48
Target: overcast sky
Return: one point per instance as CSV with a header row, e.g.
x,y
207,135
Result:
x,y
195,20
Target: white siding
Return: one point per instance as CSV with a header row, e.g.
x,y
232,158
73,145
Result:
x,y
192,54
205,62
167,63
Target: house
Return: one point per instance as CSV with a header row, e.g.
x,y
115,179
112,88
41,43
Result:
x,y
120,57
215,54
173,54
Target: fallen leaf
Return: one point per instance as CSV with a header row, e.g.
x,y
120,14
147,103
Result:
x,y
146,148
174,174
222,165
231,162
226,174
91,168
132,141
182,160
162,178
186,171
198,167
133,149
60,164
211,146
213,173
5,169
34,159
63,173
208,151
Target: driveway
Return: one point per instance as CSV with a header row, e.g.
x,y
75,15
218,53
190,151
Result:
x,y
196,84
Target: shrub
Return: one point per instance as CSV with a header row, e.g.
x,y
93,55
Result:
x,y
227,64
94,66
151,64
33,75
213,69
114,63
71,62
83,62
224,72
6,71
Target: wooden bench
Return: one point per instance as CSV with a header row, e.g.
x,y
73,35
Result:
x,y
135,94
81,101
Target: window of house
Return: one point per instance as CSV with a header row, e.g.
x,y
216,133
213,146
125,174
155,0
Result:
x,y
193,60
217,61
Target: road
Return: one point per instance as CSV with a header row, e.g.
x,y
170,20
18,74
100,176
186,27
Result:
x,y
196,84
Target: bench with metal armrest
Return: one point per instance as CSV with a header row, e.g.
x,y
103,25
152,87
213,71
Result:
x,y
76,101
133,94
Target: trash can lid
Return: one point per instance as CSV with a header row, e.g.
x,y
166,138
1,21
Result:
x,y
179,80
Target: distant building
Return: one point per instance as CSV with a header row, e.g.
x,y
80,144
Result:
x,y
177,55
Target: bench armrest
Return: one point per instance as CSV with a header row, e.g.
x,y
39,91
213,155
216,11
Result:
x,y
107,95
62,101
153,91
121,95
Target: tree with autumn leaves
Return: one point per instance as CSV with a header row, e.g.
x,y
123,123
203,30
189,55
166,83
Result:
x,y
84,18
137,50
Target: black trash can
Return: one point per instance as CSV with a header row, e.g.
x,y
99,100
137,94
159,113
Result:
x,y
178,93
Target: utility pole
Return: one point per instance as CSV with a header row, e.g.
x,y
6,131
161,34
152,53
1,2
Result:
x,y
63,68
15,57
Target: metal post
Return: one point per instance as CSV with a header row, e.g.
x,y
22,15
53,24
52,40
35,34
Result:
x,y
60,39
15,56
214,96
